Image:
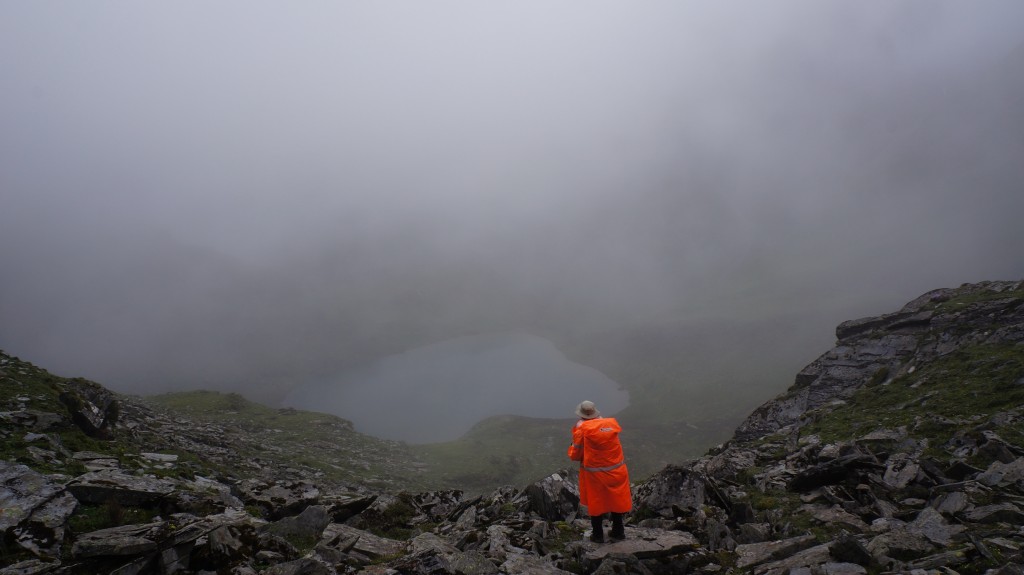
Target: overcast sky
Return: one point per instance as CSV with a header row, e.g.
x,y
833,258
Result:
x,y
214,193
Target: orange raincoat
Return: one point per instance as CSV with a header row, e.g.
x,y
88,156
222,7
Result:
x,y
604,480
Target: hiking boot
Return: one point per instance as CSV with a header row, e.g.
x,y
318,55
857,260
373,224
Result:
x,y
597,537
617,534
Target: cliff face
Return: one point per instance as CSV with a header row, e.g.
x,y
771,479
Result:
x,y
877,350
900,450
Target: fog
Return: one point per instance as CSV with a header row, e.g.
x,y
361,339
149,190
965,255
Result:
x,y
250,196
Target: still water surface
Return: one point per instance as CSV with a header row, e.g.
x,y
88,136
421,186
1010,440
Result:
x,y
438,392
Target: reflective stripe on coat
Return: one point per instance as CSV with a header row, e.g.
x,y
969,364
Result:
x,y
604,479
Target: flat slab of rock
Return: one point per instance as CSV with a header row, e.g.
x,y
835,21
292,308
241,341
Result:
x,y
347,538
96,461
523,564
835,515
30,567
43,532
812,557
101,486
755,553
22,490
645,543
1001,474
1005,512
121,541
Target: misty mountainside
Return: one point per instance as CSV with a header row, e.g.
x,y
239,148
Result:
x,y
899,450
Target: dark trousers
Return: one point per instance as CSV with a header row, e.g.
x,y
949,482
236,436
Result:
x,y
595,523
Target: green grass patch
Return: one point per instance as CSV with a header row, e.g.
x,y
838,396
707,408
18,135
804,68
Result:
x,y
24,386
935,401
966,299
324,445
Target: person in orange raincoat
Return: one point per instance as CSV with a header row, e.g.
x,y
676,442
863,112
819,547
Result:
x,y
604,480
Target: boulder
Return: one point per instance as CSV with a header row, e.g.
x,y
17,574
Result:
x,y
622,564
999,512
930,523
834,471
279,499
848,549
901,544
304,566
113,484
473,563
812,557
43,532
309,524
671,492
346,505
125,540
833,568
645,544
835,515
951,503
93,408
96,461
22,491
523,564
30,567
351,540
1001,474
756,553
228,544
556,497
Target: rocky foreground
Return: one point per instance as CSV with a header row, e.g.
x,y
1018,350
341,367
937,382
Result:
x,y
899,451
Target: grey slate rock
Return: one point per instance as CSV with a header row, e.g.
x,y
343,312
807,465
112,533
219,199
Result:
x,y
102,486
126,540
308,524
280,498
473,563
556,497
43,532
303,566
93,408
621,564
645,544
350,539
1001,474
901,544
31,567
934,527
671,489
998,512
757,553
812,557
850,550
22,491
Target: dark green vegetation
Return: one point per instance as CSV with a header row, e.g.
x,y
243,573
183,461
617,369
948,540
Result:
x,y
962,300
500,451
22,383
952,395
323,445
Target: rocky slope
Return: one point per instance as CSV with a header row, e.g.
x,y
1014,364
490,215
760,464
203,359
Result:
x,y
897,451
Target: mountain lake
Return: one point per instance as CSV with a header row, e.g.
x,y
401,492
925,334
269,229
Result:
x,y
437,392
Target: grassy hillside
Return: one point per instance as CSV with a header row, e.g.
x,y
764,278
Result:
x,y
954,395
25,388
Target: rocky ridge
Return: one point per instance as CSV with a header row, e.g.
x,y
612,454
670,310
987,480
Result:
x,y
898,451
